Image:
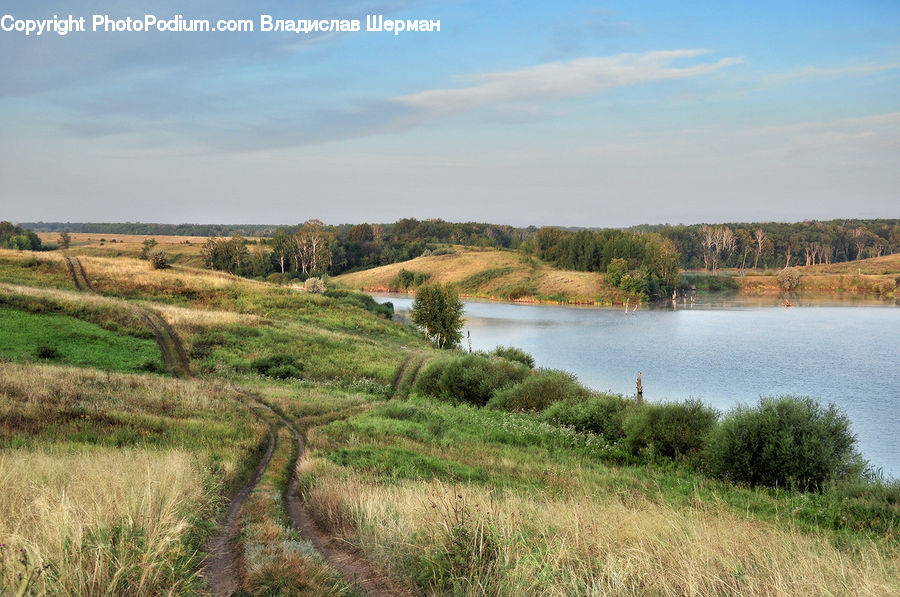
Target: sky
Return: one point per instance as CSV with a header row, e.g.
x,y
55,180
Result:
x,y
600,114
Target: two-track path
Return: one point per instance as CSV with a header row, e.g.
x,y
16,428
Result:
x,y
221,568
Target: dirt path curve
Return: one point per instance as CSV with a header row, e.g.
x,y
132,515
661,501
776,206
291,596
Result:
x,y
354,568
221,566
172,349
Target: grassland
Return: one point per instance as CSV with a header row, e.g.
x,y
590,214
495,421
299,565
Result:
x,y
110,481
184,250
114,481
472,502
493,274
67,340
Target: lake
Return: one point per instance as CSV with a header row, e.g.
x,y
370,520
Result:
x,y
724,351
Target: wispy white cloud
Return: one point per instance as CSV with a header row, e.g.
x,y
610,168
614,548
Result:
x,y
809,73
557,80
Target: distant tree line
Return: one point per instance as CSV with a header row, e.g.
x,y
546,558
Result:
x,y
16,237
778,245
313,248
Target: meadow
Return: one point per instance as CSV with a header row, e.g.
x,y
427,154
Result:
x,y
493,274
117,478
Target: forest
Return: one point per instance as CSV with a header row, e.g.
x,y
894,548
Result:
x,y
314,248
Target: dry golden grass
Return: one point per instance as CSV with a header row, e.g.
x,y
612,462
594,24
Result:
x,y
187,250
136,274
887,265
105,477
100,522
540,280
592,544
194,320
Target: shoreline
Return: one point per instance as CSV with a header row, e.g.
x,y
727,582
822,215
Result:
x,y
766,299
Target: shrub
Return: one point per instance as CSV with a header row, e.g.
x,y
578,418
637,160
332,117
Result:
x,y
42,351
538,391
674,430
602,414
151,366
471,378
475,378
408,279
428,381
279,366
159,260
315,285
886,287
789,278
514,354
786,441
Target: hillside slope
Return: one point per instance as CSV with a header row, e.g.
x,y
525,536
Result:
x,y
494,274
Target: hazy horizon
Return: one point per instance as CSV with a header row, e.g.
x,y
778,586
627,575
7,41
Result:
x,y
573,114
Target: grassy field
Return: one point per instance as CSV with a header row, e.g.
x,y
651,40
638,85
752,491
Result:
x,y
64,339
184,250
472,502
114,481
494,274
111,481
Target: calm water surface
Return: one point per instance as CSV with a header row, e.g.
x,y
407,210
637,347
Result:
x,y
725,352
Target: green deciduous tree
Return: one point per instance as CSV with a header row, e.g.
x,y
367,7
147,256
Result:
x,y
438,311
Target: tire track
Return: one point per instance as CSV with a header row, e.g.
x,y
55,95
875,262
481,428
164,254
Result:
x,y
172,349
72,273
398,379
355,569
83,275
221,569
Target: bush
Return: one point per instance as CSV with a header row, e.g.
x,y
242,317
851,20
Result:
x,y
471,378
315,285
886,287
278,366
514,354
428,381
602,414
42,351
789,278
538,391
159,260
407,279
674,430
151,366
786,441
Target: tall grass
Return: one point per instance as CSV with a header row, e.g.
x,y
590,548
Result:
x,y
104,521
586,544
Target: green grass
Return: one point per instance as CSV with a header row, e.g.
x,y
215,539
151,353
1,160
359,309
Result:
x,y
74,342
424,438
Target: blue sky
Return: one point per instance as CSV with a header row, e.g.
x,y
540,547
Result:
x,y
570,113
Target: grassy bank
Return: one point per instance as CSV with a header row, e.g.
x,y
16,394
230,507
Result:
x,y
469,501
493,274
